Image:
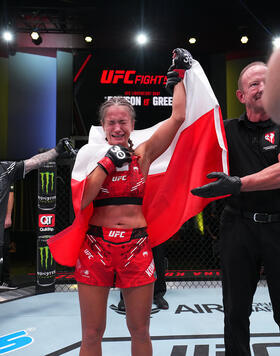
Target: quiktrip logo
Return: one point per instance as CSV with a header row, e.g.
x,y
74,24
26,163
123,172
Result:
x,y
46,222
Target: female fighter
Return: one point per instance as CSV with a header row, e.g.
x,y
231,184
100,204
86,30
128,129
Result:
x,y
116,250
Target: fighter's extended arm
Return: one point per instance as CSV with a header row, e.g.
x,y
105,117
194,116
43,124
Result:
x,y
163,136
39,159
42,158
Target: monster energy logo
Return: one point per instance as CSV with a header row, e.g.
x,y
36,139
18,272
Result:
x,y
44,257
47,181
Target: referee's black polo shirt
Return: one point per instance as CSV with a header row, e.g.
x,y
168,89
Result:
x,y
252,147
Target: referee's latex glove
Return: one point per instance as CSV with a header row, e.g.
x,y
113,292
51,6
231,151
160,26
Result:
x,y
224,185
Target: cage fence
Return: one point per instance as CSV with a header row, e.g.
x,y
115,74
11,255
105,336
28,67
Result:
x,y
191,254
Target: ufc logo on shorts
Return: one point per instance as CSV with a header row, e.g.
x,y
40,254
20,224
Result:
x,y
88,253
114,233
46,220
116,179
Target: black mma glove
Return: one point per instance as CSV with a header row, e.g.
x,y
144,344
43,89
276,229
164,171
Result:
x,y
181,61
223,186
64,145
172,79
60,148
69,148
116,156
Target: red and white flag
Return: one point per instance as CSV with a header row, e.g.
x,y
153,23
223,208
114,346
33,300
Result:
x,y
198,149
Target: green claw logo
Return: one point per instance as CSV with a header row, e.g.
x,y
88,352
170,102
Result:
x,y
44,256
47,181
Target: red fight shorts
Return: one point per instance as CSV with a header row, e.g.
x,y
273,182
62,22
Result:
x,y
119,258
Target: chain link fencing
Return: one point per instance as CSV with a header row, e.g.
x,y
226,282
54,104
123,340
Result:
x,y
191,254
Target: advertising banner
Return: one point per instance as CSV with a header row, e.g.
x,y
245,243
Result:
x,y
45,263
47,186
139,77
46,267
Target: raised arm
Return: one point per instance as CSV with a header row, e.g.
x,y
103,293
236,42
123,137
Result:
x,y
164,135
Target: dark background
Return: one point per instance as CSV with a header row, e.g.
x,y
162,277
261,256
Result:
x,y
217,25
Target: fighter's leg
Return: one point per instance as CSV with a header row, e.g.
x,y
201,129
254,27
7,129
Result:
x,y
138,303
93,305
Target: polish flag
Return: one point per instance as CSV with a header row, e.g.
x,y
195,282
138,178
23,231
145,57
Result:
x,y
199,148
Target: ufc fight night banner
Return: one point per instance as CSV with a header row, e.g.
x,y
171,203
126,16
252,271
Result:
x,y
46,268
138,76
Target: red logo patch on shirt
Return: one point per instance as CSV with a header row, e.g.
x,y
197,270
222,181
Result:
x,y
270,137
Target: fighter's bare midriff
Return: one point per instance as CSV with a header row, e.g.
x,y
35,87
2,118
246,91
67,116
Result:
x,y
119,216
